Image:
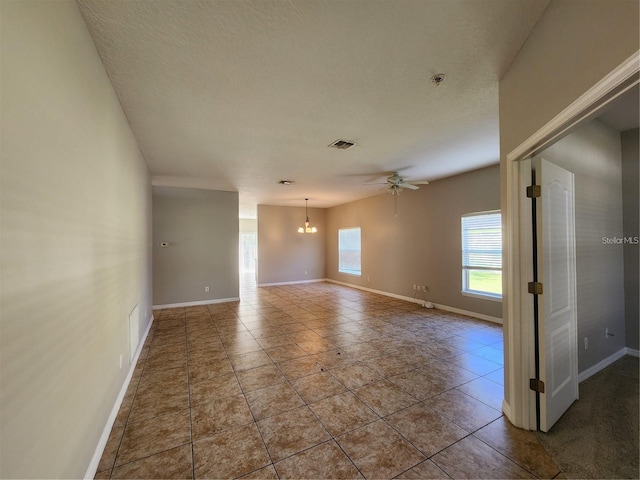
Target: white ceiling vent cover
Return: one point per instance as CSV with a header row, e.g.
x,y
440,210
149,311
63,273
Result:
x,y
342,144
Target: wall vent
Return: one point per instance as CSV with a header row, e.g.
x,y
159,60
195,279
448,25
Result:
x,y
342,144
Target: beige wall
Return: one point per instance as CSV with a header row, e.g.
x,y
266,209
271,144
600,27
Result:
x,y
574,45
76,242
592,153
422,245
284,255
201,228
630,201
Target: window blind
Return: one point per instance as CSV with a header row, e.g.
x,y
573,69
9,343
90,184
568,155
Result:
x,y
349,251
482,241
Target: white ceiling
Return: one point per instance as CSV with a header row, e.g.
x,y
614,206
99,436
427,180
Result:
x,y
237,95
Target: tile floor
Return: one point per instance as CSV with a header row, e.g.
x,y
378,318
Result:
x,y
319,381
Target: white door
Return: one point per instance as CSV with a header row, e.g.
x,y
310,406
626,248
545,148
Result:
x,y
557,325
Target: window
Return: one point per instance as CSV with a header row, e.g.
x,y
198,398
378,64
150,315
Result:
x,y
482,254
349,251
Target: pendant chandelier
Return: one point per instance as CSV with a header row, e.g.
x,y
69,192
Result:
x,y
307,228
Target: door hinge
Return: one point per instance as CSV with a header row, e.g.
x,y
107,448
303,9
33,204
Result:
x,y
535,288
536,385
533,191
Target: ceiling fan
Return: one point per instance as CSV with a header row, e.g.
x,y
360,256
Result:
x,y
396,183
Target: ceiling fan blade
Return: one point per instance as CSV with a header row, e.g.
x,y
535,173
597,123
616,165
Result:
x,y
409,186
421,183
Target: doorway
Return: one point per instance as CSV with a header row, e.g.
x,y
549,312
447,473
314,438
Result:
x,y
520,349
248,260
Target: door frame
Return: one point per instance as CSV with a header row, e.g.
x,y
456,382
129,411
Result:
x,y
517,244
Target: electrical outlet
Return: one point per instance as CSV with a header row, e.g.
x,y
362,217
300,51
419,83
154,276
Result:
x,y
414,286
120,361
305,272
368,279
424,288
206,289
586,343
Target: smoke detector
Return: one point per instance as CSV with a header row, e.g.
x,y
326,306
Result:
x,y
438,78
342,144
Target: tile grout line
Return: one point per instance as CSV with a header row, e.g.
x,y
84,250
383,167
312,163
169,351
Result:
x,y
149,418
186,341
405,408
255,422
504,455
305,403
424,461
331,436
288,381
326,323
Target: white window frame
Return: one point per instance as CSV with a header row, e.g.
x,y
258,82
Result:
x,y
491,263
341,269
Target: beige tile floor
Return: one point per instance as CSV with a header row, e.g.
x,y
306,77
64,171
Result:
x,y
319,381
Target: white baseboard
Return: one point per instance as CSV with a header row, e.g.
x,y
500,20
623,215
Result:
x,y
296,282
506,409
602,364
633,352
447,308
194,304
479,316
379,292
102,442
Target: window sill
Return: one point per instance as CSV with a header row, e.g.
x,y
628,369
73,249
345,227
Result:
x,y
483,296
351,274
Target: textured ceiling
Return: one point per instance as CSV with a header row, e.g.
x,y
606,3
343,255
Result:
x,y
237,95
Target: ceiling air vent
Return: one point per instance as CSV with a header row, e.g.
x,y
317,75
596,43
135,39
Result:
x,y
342,144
